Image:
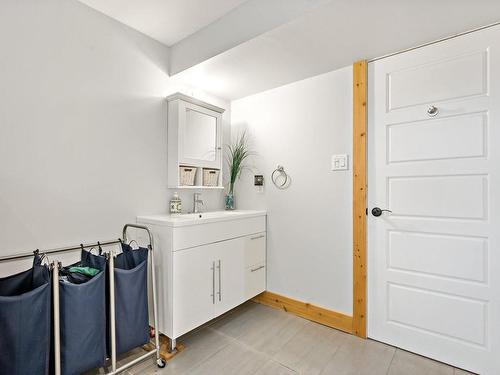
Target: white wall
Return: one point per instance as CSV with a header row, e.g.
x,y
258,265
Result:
x,y
82,125
300,126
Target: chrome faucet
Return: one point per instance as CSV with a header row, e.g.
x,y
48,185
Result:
x,y
196,202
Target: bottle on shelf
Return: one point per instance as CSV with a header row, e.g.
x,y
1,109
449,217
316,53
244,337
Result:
x,y
175,204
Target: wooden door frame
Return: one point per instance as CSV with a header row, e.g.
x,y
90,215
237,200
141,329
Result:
x,y
355,324
359,176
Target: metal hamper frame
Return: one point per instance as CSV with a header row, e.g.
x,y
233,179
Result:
x,y
55,265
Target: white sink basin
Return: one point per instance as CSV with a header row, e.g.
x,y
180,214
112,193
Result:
x,y
207,215
199,218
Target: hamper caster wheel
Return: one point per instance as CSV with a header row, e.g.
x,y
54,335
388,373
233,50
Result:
x,y
161,363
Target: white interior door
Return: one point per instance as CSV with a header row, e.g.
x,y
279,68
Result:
x,y
434,160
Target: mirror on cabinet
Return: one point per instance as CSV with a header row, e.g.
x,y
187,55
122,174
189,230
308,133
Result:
x,y
200,136
194,143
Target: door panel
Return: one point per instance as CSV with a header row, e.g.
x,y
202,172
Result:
x,y
255,280
451,78
255,249
441,196
431,253
255,263
434,263
466,324
429,136
230,275
194,288
200,136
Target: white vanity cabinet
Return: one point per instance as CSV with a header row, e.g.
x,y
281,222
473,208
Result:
x,y
206,265
211,276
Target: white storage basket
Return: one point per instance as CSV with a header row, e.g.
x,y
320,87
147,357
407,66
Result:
x,y
187,175
210,177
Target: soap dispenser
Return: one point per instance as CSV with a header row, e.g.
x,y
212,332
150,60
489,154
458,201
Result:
x,y
175,204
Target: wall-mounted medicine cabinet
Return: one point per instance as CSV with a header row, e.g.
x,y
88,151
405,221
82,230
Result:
x,y
194,143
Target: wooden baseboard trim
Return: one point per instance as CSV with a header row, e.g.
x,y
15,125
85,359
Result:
x,y
305,310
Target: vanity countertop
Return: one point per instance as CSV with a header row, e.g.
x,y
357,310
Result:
x,y
199,218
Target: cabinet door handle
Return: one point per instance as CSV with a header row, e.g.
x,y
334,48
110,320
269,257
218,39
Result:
x,y
257,237
256,269
220,284
213,283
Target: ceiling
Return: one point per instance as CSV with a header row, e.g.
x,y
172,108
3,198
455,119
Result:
x,y
235,48
167,21
334,36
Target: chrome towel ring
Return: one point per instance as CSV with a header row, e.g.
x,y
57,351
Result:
x,y
279,177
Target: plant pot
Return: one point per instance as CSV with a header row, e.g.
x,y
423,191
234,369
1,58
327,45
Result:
x,y
229,201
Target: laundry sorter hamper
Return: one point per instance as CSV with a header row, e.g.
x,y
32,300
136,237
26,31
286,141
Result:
x,y
111,305
82,314
25,324
131,298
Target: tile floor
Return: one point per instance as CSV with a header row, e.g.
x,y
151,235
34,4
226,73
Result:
x,y
256,339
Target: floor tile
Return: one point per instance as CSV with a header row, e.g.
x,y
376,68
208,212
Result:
x,y
261,327
256,339
406,363
198,348
149,370
120,361
462,372
96,371
145,367
243,319
275,368
310,350
360,357
129,356
234,358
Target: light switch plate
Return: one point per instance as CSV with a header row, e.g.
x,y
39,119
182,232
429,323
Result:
x,y
340,162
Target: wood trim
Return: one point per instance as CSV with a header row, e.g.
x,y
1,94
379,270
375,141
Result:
x,y
306,310
357,323
359,197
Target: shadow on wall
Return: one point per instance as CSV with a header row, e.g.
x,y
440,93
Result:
x,y
255,163
83,127
148,49
300,126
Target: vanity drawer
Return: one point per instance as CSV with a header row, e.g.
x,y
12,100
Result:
x,y
195,235
255,249
255,280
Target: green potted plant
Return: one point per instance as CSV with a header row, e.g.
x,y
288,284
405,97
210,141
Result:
x,y
237,153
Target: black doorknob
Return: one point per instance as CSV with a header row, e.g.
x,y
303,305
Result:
x,y
376,211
